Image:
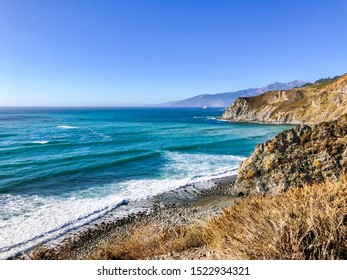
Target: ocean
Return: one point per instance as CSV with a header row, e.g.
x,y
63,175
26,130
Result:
x,y
61,168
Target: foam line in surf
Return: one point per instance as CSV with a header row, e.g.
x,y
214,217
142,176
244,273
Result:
x,y
67,127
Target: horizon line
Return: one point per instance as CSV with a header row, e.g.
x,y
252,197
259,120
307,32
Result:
x,y
89,106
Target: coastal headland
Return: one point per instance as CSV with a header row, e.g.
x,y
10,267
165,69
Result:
x,y
308,104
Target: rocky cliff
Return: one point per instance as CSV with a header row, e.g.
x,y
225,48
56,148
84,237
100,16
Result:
x,y
304,154
310,104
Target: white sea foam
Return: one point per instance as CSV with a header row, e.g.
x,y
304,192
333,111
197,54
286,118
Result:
x,y
221,120
34,219
29,220
206,117
198,167
41,142
67,127
210,118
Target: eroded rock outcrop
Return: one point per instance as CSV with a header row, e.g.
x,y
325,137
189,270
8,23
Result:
x,y
304,154
310,104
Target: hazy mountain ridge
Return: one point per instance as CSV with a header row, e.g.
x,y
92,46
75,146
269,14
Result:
x,y
226,98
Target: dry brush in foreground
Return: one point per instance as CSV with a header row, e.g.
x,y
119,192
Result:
x,y
149,241
302,223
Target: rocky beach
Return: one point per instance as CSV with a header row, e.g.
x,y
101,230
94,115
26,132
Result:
x,y
192,209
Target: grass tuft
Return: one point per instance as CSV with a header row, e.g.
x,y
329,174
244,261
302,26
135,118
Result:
x,y
302,223
146,242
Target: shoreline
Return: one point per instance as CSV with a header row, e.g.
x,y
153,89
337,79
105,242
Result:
x,y
181,207
264,122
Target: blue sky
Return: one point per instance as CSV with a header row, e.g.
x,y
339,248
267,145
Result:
x,y
127,52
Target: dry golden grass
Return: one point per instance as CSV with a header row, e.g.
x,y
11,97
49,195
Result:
x,y
49,253
148,241
303,223
317,163
142,242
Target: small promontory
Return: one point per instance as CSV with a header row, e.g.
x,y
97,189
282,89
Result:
x,y
309,104
305,154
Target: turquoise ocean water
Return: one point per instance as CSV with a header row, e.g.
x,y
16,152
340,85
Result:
x,y
61,168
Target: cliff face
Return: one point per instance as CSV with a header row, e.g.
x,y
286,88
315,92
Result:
x,y
304,154
311,104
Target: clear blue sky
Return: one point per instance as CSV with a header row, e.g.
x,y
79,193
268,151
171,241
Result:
x,y
68,52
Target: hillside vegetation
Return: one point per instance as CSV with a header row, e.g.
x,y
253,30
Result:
x,y
302,223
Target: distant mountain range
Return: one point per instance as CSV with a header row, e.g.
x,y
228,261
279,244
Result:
x,y
225,99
